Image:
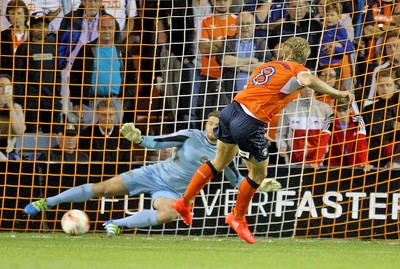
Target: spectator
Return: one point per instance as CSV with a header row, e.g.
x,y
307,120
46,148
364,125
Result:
x,y
50,8
348,144
329,75
37,80
11,120
391,61
215,29
77,28
337,49
241,56
358,9
236,6
191,78
277,52
70,5
101,69
393,27
124,11
175,51
381,120
300,135
17,14
378,18
67,148
267,14
102,140
299,23
345,19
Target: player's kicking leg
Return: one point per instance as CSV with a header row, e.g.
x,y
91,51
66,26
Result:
x,y
237,218
240,226
225,154
183,206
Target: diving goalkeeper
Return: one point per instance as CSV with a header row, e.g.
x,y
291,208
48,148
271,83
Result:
x,y
164,181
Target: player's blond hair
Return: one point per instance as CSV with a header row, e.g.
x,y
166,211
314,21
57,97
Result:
x,y
296,49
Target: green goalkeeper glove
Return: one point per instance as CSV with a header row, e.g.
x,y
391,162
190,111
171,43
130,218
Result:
x,y
130,132
269,185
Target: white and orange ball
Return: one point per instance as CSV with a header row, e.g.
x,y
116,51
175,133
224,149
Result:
x,y
75,222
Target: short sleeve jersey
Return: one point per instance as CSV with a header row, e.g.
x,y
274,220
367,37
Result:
x,y
270,88
214,28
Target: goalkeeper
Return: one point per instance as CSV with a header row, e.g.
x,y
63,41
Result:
x,y
165,181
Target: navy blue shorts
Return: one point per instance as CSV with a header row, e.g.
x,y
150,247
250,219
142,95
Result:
x,y
236,127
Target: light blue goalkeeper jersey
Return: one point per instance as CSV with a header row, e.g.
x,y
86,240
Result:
x,y
193,150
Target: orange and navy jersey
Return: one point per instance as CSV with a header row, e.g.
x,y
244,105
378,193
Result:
x,y
270,89
214,28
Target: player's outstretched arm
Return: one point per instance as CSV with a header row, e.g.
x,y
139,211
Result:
x,y
130,132
321,87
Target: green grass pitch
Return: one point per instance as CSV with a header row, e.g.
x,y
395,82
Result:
x,y
57,250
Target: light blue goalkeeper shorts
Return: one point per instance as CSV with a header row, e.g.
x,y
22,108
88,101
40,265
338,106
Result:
x,y
139,181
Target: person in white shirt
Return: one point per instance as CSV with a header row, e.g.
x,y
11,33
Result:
x,y
124,11
52,9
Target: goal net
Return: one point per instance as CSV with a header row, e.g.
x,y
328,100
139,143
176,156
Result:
x,y
337,163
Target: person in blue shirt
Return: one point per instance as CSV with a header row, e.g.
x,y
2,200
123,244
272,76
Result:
x,y
298,22
337,48
102,69
166,181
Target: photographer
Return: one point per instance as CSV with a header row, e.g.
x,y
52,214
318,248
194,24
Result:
x,y
11,119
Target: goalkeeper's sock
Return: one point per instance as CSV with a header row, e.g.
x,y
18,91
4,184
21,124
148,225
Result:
x,y
247,189
77,194
202,176
144,218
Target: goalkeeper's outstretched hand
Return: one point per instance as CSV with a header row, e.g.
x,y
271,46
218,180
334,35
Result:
x,y
270,185
130,132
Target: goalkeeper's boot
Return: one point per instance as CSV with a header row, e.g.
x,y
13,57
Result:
x,y
112,229
269,185
35,207
184,210
241,228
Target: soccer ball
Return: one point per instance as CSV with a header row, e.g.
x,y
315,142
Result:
x,y
75,222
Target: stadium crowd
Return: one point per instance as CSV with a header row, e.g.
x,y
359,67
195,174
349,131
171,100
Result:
x,y
64,58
